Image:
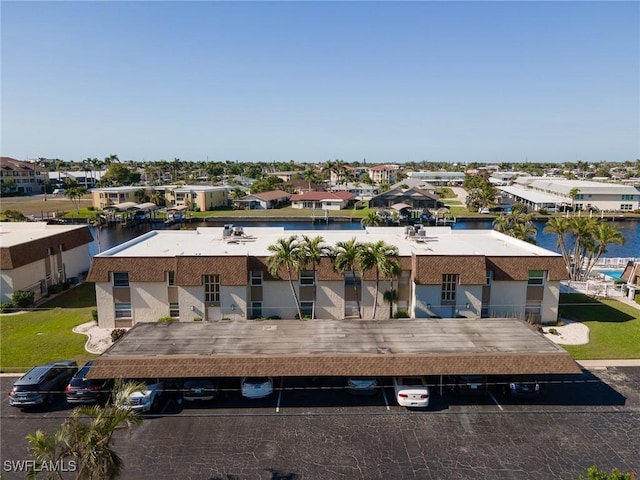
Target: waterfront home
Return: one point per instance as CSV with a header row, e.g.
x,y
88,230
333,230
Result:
x,y
210,274
34,256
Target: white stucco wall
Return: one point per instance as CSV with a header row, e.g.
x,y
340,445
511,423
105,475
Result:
x,y
431,295
236,296
277,299
550,302
28,277
188,297
330,300
104,302
76,260
507,299
149,301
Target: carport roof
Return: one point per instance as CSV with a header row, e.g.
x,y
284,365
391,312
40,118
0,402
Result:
x,y
332,347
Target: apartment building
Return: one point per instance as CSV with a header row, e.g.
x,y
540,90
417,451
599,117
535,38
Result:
x,y
22,177
196,197
107,197
34,256
211,274
550,192
384,174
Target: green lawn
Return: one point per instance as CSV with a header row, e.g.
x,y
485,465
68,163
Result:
x,y
614,327
44,335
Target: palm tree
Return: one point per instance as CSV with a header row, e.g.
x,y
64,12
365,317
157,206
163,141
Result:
x,y
86,436
379,256
560,226
604,234
310,176
312,251
346,255
582,229
75,194
286,254
371,218
573,194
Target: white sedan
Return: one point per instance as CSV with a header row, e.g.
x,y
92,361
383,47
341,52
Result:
x,y
256,387
411,391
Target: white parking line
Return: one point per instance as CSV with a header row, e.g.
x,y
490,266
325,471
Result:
x,y
384,395
495,400
279,395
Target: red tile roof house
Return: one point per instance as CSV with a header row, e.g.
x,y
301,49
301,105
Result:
x,y
322,200
264,200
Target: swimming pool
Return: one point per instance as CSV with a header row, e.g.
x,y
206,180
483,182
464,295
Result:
x,y
615,274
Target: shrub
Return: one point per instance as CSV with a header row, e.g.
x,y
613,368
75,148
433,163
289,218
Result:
x,y
22,298
594,473
91,208
401,313
198,319
543,211
94,315
54,289
559,323
553,331
6,307
116,333
165,320
274,317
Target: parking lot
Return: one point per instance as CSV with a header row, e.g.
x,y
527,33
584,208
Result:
x,y
312,428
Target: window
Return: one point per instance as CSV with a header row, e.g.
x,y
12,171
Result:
x,y
449,283
627,197
256,279
211,288
307,277
256,309
171,278
533,311
123,310
120,279
489,277
306,308
626,207
174,309
536,277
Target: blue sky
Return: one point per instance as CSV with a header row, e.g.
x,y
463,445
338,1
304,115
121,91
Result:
x,y
307,81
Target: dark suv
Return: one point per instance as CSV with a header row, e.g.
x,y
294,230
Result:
x,y
85,390
40,384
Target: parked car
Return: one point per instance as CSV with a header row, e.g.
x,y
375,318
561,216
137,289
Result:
x,y
40,384
84,390
256,387
469,384
411,391
524,386
199,389
362,385
147,399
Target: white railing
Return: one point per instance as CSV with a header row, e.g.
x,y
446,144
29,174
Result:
x,y
615,262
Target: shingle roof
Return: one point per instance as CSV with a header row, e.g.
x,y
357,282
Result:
x,y
332,347
24,243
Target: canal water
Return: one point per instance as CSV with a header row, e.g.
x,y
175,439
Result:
x,y
107,238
